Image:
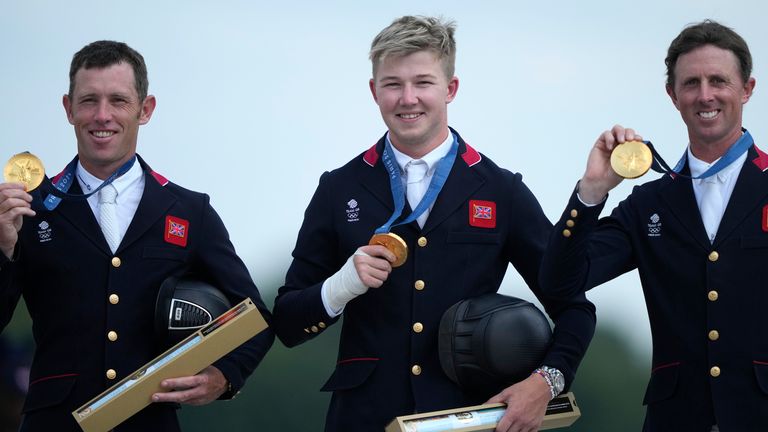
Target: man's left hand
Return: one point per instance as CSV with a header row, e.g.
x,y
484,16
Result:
x,y
199,389
526,405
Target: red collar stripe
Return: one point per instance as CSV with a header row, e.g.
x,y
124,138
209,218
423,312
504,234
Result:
x,y
471,156
761,160
160,179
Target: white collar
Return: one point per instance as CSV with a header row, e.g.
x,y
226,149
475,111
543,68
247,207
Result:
x,y
698,166
430,158
89,182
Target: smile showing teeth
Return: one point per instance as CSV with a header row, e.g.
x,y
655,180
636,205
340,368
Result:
x,y
409,116
708,114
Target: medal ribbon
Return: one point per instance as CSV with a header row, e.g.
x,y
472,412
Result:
x,y
737,149
59,190
444,166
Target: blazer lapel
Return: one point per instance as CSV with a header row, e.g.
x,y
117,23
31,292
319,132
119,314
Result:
x,y
155,202
375,178
750,190
679,198
79,214
462,182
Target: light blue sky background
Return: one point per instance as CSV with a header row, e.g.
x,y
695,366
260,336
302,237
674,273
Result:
x,y
256,99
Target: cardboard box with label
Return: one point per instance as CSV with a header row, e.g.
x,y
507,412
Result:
x,y
188,357
562,411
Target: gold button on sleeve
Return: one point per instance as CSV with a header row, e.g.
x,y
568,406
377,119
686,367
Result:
x,y
419,285
569,223
306,330
418,327
314,329
114,299
321,324
112,335
111,374
566,233
422,241
116,262
712,295
714,371
713,256
416,370
714,335
574,213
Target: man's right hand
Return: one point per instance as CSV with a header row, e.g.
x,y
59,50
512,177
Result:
x,y
599,178
15,203
373,264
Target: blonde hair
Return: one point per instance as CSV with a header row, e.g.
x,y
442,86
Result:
x,y
410,34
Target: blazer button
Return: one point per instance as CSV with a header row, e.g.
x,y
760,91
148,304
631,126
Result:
x,y
569,223
321,324
713,256
574,213
714,371
314,329
114,299
714,335
419,285
306,330
566,233
418,327
712,295
416,370
111,374
112,335
422,241
116,262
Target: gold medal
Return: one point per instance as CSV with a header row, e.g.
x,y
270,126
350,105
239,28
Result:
x,y
394,243
631,159
24,168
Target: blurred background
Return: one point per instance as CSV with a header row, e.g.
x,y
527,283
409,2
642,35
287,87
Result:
x,y
257,99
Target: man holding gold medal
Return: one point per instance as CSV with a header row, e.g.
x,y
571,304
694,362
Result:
x,y
698,237
90,249
405,230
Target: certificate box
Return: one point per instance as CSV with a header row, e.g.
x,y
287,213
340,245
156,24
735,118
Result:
x,y
562,411
186,358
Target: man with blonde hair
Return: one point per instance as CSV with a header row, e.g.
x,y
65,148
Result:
x,y
463,221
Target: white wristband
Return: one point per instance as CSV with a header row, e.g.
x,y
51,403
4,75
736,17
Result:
x,y
343,286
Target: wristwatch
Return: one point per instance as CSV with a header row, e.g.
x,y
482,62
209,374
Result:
x,y
554,378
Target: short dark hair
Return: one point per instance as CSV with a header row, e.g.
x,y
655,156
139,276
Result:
x,y
104,53
708,32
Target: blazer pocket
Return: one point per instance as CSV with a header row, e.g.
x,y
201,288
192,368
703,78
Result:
x,y
48,392
350,373
165,253
761,373
663,383
474,237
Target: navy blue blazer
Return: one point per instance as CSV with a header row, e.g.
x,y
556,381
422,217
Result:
x,y
387,365
706,301
77,291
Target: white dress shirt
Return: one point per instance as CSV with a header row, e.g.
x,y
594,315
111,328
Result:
x,y
714,192
130,188
431,159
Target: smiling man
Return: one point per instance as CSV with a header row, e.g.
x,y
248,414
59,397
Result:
x,y
90,270
698,237
462,219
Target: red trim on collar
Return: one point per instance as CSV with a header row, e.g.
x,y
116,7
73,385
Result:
x,y
761,160
160,179
371,156
471,156
58,176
